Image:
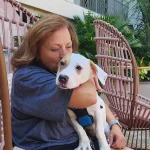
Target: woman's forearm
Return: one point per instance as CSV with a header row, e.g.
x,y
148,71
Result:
x,y
109,114
84,95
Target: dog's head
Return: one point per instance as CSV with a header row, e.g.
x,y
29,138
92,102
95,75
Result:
x,y
75,69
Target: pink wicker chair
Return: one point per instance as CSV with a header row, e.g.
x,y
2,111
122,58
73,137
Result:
x,y
14,22
115,56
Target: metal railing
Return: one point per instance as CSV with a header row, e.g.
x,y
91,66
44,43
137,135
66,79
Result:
x,y
114,7
147,68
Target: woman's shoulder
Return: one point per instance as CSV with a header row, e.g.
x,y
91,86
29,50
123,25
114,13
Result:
x,y
29,69
29,72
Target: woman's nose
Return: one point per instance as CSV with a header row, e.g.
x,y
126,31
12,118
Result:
x,y
63,52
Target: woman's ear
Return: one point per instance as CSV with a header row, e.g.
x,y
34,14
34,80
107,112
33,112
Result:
x,y
97,71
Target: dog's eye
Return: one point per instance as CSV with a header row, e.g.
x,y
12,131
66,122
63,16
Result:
x,y
78,67
62,63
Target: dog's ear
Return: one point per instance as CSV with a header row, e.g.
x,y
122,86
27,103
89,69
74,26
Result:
x,y
97,71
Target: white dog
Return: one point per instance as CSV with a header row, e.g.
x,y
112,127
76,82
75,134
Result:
x,y
73,70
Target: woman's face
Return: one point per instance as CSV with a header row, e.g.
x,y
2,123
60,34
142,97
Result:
x,y
54,48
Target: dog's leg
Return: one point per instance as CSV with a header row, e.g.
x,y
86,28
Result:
x,y
84,142
99,127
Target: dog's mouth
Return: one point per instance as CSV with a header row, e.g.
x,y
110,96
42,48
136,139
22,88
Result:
x,y
62,86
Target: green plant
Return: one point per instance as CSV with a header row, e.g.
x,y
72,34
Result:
x,y
85,32
144,75
142,27
16,42
143,59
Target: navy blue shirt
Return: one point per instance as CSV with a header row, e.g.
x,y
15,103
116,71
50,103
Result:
x,y
38,106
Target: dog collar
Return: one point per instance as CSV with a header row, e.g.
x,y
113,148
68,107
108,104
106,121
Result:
x,y
114,122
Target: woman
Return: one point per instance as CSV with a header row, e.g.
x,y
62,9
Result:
x,y
39,118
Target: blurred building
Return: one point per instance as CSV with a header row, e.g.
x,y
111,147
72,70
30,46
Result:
x,y
70,8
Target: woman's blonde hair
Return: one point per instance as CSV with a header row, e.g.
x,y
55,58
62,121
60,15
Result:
x,y
28,50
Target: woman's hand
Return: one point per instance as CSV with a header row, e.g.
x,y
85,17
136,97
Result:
x,y
117,139
84,95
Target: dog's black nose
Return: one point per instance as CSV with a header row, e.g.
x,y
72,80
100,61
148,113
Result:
x,y
63,79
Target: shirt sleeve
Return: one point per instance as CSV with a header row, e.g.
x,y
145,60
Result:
x,y
35,93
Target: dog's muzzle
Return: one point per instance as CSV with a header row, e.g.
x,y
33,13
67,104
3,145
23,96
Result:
x,y
63,79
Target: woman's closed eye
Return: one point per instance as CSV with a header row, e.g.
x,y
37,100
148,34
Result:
x,y
54,49
69,47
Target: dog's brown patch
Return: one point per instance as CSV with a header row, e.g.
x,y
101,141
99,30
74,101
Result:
x,y
66,61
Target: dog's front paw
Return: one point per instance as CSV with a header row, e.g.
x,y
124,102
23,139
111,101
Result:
x,y
84,146
105,147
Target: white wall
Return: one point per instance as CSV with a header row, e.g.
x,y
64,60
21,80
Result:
x,y
62,7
